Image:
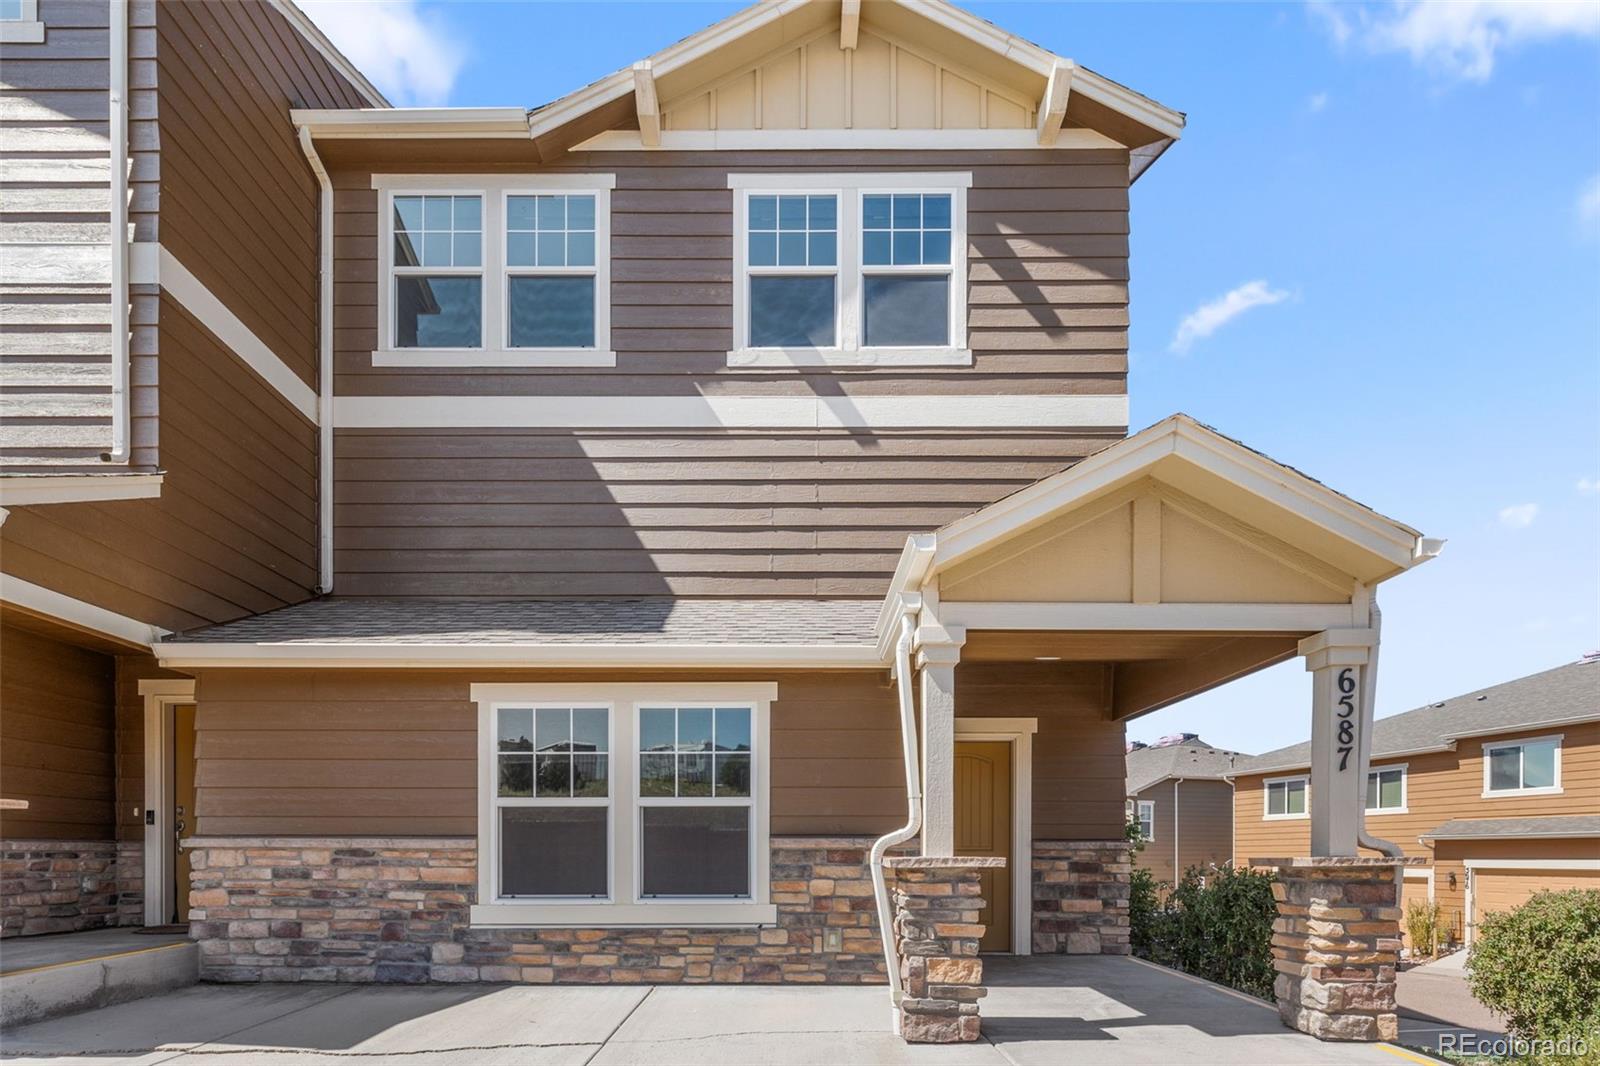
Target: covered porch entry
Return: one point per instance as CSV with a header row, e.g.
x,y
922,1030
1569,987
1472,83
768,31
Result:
x,y
1165,565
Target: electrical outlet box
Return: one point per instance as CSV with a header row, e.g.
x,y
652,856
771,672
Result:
x,y
833,939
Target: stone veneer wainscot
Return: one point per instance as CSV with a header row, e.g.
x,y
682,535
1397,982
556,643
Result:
x,y
68,886
1080,897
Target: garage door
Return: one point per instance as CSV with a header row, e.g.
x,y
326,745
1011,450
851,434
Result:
x,y
1504,890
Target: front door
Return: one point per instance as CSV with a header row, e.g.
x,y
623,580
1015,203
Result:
x,y
182,804
983,827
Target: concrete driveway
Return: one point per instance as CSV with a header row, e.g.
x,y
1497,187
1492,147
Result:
x,y
1046,1010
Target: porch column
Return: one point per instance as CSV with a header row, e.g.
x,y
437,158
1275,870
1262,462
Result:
x,y
938,652
1340,719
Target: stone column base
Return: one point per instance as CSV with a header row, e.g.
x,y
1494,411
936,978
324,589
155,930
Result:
x,y
1335,945
936,934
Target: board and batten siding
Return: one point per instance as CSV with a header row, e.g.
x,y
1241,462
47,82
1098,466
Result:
x,y
57,738
394,752
55,238
566,512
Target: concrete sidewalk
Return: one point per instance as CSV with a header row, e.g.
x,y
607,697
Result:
x,y
1043,1010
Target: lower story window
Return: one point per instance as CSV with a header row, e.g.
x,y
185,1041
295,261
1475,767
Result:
x,y
1286,798
628,804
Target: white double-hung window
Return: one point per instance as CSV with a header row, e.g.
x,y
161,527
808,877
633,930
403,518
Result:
x,y
623,804
850,269
481,271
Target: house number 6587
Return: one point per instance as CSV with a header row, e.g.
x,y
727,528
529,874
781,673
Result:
x,y
1347,723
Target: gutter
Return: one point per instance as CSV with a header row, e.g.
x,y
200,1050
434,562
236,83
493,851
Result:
x,y
121,394
880,847
324,368
178,654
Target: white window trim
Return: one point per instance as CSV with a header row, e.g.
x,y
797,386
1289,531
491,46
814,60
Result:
x,y
625,908
493,190
28,29
1150,806
1266,794
1500,793
1405,791
849,190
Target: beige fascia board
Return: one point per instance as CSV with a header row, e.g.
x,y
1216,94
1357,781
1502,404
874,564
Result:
x,y
1182,437
443,122
1557,834
181,655
28,490
1507,730
1431,749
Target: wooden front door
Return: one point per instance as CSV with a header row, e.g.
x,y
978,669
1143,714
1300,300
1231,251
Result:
x,y
182,804
983,827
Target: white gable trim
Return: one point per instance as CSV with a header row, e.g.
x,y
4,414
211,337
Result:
x,y
437,656
75,612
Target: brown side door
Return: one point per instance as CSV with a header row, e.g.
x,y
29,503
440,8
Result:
x,y
983,827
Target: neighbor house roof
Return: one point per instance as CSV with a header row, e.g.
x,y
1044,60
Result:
x,y
1568,693
646,630
1562,825
1193,759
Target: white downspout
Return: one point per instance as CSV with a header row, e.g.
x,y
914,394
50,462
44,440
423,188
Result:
x,y
324,369
1369,694
117,98
1177,874
908,744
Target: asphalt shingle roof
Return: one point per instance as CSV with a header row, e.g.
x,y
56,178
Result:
x,y
1191,759
1564,693
649,620
1562,825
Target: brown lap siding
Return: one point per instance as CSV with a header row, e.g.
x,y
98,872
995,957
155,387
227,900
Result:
x,y
293,752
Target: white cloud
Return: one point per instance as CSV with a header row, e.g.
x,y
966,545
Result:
x,y
411,54
1589,204
1588,486
1317,102
1459,38
1206,319
1519,516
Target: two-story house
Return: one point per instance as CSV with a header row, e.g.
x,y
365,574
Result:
x,y
575,544
1180,796
1499,790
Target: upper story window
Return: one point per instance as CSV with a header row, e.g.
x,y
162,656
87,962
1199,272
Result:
x,y
495,272
1147,820
850,269
1386,790
19,22
1523,767
1286,798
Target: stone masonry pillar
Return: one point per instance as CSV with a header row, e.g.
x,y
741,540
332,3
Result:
x,y
1336,943
936,934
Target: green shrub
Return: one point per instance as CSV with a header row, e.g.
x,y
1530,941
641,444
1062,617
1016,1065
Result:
x,y
1422,926
1215,924
1539,966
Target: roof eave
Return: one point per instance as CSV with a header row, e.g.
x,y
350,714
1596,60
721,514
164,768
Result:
x,y
371,123
244,655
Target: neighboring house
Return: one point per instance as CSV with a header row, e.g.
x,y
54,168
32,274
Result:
x,y
1498,789
640,480
1179,792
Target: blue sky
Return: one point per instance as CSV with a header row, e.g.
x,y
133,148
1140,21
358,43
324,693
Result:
x,y
1382,226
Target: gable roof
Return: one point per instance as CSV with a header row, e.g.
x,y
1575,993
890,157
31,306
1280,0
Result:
x,y
1191,760
1552,825
1569,693
1072,95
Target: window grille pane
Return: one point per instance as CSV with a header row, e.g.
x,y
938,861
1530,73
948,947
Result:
x,y
732,775
551,312
906,229
554,776
553,729
554,851
908,310
696,851
657,729
793,312
516,775
591,775
550,230
589,730
434,311
656,775
793,231
516,730
733,729
694,775
694,729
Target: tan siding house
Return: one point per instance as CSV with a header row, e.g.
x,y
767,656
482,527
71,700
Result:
x,y
1498,788
694,478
